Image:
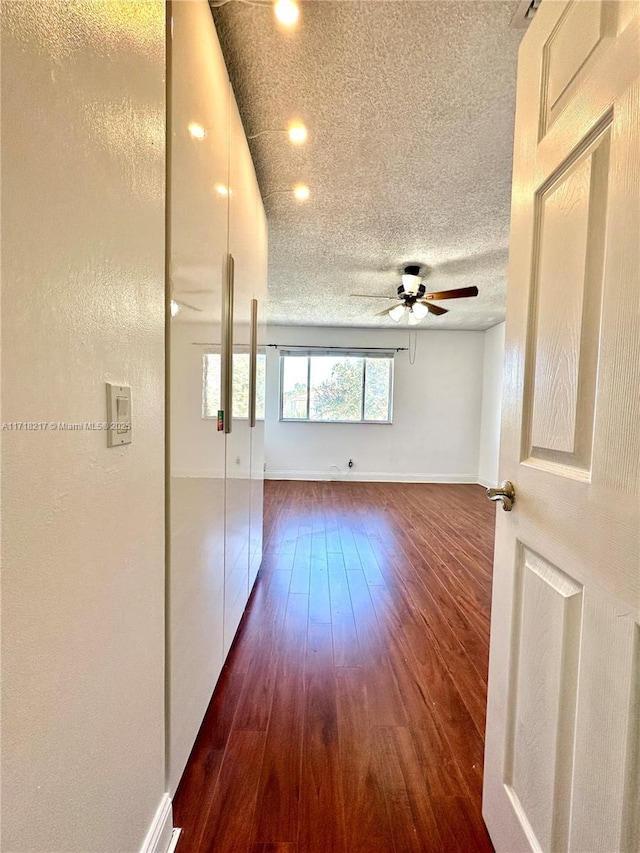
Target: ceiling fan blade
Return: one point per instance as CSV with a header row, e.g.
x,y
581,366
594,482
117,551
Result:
x,y
387,310
433,309
186,305
459,293
373,296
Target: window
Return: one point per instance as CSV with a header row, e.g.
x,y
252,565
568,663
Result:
x,y
339,387
211,385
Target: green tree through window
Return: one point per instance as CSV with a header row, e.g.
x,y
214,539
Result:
x,y
338,398
211,385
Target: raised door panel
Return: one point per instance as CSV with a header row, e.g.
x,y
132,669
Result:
x,y
565,311
197,244
574,45
545,643
242,215
605,812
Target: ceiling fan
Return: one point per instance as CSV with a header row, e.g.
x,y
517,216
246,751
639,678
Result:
x,y
413,299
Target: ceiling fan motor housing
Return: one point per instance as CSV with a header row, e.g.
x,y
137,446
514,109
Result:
x,y
412,269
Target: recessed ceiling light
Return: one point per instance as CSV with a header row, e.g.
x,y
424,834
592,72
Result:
x,y
297,133
196,131
287,12
301,192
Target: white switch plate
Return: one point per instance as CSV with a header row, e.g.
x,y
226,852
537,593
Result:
x,y
118,415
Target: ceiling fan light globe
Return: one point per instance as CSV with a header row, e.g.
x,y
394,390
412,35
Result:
x,y
411,282
397,313
420,311
413,319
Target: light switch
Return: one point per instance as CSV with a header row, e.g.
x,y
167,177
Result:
x,y
122,414
118,415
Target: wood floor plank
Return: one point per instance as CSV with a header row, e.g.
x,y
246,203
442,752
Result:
x,y
367,825
350,714
230,817
276,816
346,649
190,805
254,705
461,825
367,558
302,558
319,599
384,696
370,637
332,531
413,823
321,778
427,615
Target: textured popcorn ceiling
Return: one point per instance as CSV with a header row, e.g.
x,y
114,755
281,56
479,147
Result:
x,y
409,107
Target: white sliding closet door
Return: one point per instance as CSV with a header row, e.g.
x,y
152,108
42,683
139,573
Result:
x,y
243,233
257,431
197,243
216,239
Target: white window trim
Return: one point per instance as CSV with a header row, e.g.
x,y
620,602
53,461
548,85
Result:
x,y
354,353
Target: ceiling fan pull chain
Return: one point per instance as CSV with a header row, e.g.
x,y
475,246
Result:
x,y
413,345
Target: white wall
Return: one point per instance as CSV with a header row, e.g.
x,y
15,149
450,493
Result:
x,y
492,376
436,421
83,526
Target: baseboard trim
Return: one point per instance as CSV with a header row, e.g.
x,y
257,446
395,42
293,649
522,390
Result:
x,y
488,484
371,477
160,837
175,837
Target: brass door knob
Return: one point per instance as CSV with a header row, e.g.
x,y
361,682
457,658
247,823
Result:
x,y
506,494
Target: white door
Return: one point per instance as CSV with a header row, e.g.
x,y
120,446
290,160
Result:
x,y
198,151
243,224
563,724
257,431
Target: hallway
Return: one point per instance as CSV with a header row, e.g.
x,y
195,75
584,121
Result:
x,y
350,715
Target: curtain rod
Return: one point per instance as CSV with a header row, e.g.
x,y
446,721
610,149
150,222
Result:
x,y
342,349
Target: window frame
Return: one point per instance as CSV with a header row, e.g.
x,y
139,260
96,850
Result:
x,y
364,354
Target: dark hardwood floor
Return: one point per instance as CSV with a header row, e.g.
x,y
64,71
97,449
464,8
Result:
x,y
350,715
